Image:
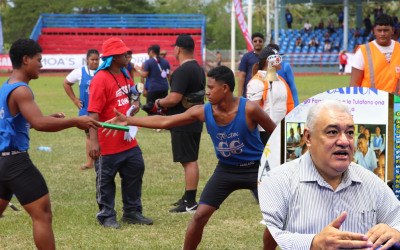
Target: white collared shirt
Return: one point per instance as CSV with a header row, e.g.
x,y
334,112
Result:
x,y
297,203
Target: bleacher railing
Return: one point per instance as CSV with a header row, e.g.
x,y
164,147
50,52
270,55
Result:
x,y
38,29
121,21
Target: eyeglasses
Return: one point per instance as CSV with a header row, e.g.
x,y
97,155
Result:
x,y
258,41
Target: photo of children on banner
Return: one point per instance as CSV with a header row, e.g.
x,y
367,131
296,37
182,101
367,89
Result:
x,y
370,147
297,148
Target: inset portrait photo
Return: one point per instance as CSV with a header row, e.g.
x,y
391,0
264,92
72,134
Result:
x,y
328,170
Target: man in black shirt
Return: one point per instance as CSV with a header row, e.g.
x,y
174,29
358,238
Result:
x,y
188,78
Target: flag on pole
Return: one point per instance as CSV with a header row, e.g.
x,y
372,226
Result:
x,y
242,23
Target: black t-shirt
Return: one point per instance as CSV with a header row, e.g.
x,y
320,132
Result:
x,y
187,78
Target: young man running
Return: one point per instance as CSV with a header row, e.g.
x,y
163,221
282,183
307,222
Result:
x,y
19,113
232,124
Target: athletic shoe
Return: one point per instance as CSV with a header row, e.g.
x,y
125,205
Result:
x,y
180,202
112,223
185,208
136,218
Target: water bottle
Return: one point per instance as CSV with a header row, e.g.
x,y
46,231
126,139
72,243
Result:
x,y
48,149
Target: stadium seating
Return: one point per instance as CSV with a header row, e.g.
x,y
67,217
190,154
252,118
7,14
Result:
x,y
306,56
77,33
80,40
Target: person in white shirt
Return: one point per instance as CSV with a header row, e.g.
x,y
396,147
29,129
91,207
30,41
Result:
x,y
261,91
84,76
291,140
365,156
307,26
378,141
323,200
376,64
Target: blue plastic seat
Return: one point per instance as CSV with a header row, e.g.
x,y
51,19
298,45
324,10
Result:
x,y
305,49
334,60
302,60
295,59
309,59
317,59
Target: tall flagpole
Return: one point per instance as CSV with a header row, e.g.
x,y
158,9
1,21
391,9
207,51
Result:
x,y
233,37
250,16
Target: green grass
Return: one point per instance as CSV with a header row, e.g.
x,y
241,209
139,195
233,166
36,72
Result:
x,y
234,226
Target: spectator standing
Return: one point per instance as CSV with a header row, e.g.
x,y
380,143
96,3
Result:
x,y
368,26
156,69
343,62
374,64
247,62
289,18
84,76
307,26
109,90
218,59
188,79
320,25
340,18
395,18
331,27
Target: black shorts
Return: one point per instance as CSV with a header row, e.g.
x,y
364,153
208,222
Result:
x,y
21,178
154,95
185,146
229,178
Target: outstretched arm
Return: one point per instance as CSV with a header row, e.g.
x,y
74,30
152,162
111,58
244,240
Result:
x,y
21,100
160,122
256,115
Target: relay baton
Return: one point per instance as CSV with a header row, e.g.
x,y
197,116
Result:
x,y
115,127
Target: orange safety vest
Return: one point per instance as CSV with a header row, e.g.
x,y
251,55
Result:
x,y
378,73
289,100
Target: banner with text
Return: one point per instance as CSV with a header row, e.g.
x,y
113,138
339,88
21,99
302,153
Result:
x,y
369,109
242,24
396,182
66,62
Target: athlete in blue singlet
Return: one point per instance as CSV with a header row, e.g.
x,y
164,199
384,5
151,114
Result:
x,y
232,124
19,113
84,76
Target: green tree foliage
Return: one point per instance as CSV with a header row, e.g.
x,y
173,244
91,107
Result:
x,y
20,19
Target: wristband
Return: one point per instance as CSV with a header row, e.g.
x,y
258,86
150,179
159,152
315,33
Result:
x,y
158,103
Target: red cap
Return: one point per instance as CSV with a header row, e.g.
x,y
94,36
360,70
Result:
x,y
114,46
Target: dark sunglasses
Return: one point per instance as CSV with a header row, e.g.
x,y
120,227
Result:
x,y
258,41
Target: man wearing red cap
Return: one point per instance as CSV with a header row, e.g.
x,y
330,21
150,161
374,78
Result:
x,y
109,89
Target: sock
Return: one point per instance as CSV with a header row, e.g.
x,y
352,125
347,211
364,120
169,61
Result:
x,y
191,196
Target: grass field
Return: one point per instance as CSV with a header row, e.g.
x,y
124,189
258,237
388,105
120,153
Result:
x,y
235,226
